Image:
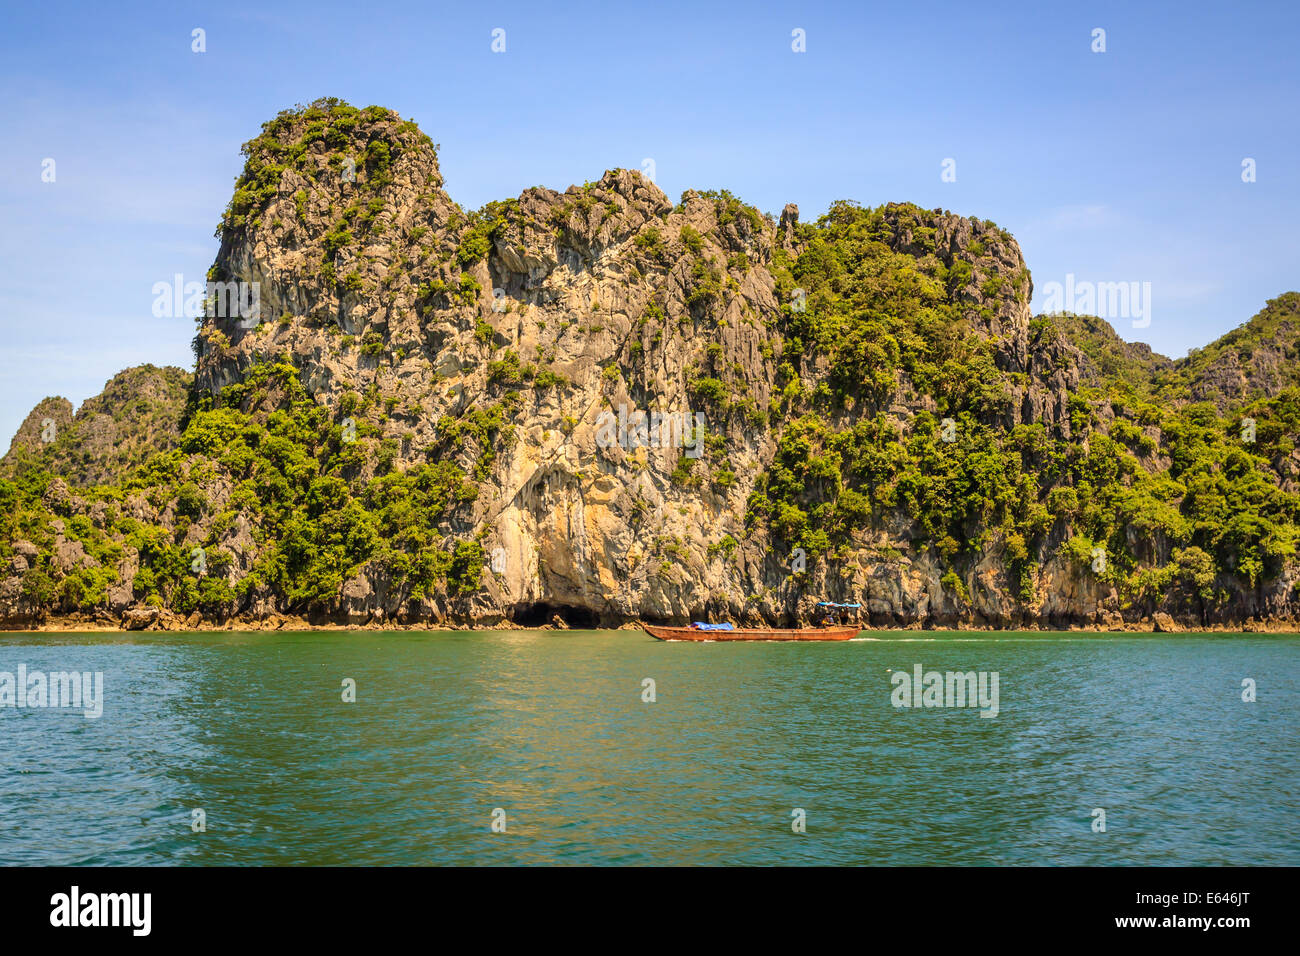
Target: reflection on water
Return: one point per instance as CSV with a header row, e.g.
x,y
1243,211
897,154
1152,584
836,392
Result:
x,y
551,728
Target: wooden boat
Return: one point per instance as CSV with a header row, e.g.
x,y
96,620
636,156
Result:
x,y
752,633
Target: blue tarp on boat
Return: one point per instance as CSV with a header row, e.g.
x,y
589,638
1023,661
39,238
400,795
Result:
x,y
700,626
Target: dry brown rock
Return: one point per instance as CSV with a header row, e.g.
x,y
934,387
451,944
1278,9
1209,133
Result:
x,y
140,617
1164,623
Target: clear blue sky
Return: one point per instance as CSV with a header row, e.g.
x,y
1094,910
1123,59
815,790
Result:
x,y
1115,166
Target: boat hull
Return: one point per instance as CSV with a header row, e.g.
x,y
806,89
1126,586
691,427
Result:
x,y
752,634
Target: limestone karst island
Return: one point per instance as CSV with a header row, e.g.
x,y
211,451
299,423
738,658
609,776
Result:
x,y
600,406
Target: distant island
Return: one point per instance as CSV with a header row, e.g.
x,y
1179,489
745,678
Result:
x,y
598,406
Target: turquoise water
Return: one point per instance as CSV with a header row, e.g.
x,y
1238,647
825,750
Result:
x,y
550,727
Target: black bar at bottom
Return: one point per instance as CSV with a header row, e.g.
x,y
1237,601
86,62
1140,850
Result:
x,y
944,905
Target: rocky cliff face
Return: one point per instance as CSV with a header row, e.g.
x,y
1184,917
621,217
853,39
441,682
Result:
x,y
807,374
137,415
1258,359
